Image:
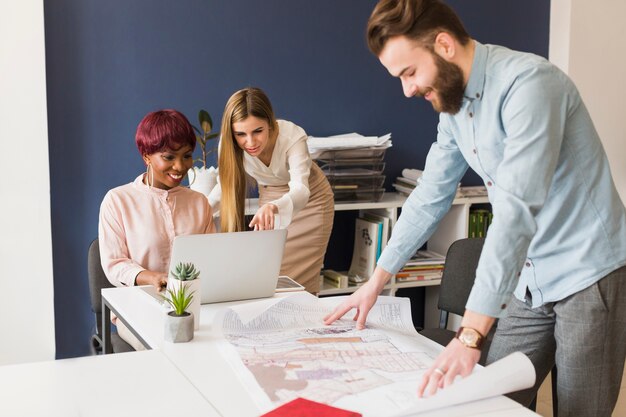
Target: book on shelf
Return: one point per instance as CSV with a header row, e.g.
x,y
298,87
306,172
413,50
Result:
x,y
425,265
427,257
419,275
335,279
406,185
365,249
384,228
479,222
472,191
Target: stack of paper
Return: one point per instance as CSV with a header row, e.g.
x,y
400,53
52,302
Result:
x,y
409,179
318,145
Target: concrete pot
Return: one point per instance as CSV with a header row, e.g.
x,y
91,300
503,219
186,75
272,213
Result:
x,y
178,328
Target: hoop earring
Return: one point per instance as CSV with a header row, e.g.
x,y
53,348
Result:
x,y
150,176
194,175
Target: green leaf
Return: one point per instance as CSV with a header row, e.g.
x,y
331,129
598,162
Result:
x,y
198,131
205,120
213,135
179,299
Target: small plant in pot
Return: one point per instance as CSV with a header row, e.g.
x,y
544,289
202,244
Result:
x,y
185,273
204,179
179,323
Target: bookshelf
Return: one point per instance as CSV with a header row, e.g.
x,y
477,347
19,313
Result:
x,y
453,226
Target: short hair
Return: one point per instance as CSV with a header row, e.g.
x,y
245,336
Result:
x,y
418,20
164,129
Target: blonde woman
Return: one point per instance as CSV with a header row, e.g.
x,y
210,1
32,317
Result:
x,y
293,191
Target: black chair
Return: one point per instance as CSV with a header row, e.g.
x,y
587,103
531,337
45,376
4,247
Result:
x,y
456,284
97,281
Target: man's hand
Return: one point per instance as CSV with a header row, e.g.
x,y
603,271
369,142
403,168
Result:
x,y
363,299
456,359
158,279
264,217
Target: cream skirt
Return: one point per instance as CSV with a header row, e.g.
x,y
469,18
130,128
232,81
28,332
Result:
x,y
309,231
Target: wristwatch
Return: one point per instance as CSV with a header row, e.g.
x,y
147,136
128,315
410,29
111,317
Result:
x,y
470,337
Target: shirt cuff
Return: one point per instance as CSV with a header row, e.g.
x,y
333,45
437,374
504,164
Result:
x,y
285,211
129,276
488,303
390,260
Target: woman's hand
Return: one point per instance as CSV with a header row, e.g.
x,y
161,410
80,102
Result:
x,y
158,279
264,217
363,299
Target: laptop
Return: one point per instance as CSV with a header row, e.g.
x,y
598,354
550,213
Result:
x,y
233,266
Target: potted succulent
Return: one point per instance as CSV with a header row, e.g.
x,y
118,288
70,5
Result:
x,y
186,275
179,322
204,179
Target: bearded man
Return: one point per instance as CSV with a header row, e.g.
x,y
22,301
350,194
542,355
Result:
x,y
552,266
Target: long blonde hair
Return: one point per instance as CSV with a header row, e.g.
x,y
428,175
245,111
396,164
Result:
x,y
249,101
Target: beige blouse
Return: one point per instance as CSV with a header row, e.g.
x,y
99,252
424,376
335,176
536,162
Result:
x,y
138,225
290,164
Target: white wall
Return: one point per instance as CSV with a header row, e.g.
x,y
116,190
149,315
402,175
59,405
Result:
x,y
26,304
587,42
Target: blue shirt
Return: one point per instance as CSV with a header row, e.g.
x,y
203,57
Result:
x,y
558,223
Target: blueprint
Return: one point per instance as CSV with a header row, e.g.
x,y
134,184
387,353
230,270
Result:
x,y
283,351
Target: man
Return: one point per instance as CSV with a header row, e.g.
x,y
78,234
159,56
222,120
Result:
x,y
552,267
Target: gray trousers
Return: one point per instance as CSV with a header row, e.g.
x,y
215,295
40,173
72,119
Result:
x,y
584,334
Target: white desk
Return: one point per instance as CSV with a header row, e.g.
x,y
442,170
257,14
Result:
x,y
128,384
201,362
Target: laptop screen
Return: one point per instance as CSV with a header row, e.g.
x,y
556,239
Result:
x,y
233,266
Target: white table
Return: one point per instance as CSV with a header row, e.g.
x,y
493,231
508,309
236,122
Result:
x,y
202,364
127,384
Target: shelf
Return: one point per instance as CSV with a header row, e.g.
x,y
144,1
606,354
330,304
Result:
x,y
330,290
389,200
413,284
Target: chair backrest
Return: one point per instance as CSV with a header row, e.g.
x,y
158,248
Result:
x,y
458,276
97,281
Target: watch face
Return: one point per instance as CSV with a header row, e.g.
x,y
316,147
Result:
x,y
469,337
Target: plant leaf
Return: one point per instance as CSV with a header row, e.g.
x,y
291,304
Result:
x,y
205,120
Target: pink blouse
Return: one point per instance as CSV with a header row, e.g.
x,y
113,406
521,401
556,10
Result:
x,y
138,225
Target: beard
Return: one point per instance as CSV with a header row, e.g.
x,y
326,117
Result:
x,y
449,86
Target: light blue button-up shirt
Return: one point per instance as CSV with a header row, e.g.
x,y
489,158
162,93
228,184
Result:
x,y
558,223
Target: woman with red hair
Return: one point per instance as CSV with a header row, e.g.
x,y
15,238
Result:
x,y
139,220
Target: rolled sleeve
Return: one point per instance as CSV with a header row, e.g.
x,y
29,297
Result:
x,y
427,204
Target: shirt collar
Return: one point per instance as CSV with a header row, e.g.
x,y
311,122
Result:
x,y
476,82
138,183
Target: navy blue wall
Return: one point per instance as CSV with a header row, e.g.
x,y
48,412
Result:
x,y
110,62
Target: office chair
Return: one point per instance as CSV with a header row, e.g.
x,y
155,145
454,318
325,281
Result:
x,y
456,284
97,281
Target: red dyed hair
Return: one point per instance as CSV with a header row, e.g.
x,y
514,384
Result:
x,y
164,129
